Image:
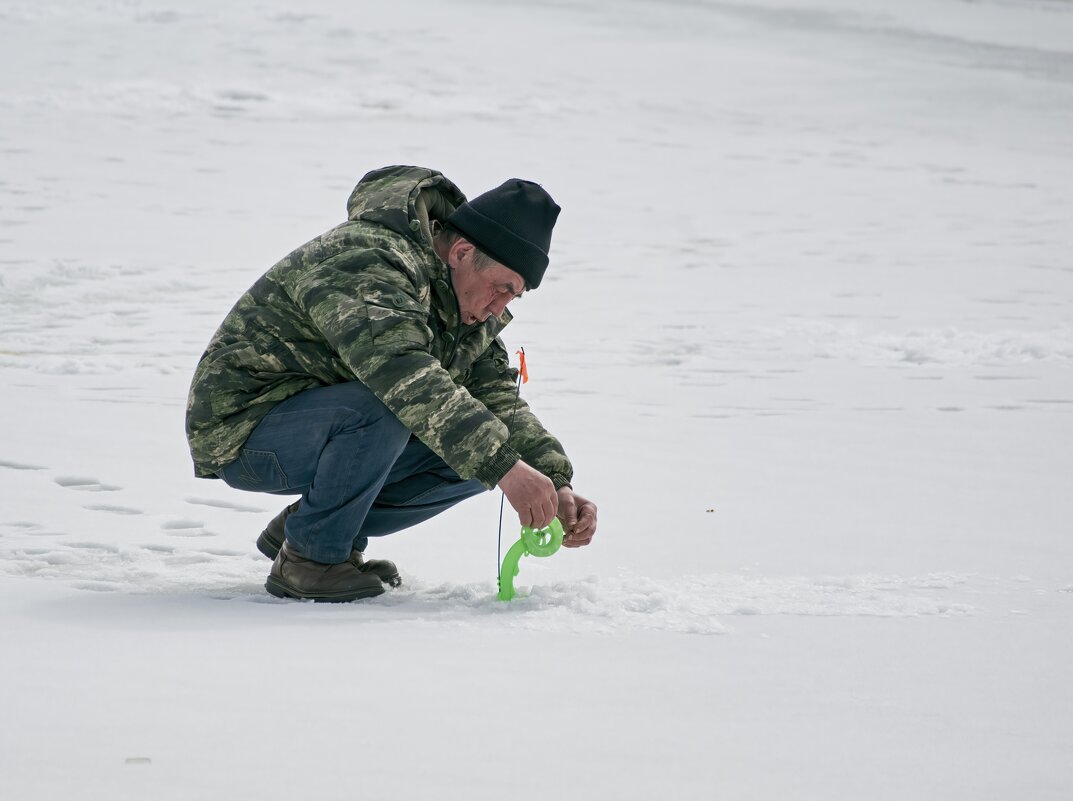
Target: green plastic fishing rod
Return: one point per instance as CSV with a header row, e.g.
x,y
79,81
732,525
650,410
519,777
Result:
x,y
533,542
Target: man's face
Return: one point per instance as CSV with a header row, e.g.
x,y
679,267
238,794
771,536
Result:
x,y
482,292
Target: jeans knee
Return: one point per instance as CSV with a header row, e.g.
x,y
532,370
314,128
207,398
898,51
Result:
x,y
379,424
362,410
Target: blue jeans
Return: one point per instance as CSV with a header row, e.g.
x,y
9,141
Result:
x,y
358,469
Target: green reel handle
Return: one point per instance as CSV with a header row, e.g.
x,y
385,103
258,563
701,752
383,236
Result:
x,y
543,541
537,542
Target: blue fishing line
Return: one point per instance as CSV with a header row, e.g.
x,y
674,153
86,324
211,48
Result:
x,y
503,495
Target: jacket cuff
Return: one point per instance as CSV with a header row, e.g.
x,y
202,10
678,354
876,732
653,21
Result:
x,y
559,480
495,467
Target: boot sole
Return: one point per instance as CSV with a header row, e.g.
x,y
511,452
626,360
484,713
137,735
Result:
x,y
282,589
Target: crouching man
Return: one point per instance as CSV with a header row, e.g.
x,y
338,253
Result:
x,y
364,372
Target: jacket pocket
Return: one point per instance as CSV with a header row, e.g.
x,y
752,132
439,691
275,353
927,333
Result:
x,y
398,320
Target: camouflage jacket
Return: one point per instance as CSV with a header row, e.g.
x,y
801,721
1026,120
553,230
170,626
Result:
x,y
370,300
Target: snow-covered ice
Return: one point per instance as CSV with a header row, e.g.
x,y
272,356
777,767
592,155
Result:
x,y
808,337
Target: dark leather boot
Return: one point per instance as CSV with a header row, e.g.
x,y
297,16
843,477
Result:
x,y
293,576
384,569
271,540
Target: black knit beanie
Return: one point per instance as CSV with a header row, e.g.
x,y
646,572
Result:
x,y
511,223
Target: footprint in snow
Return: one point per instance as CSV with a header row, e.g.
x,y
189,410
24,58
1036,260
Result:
x,y
186,528
20,465
94,546
234,507
188,559
97,586
85,484
182,523
116,510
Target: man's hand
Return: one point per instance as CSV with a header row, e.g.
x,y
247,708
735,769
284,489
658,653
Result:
x,y
578,516
531,493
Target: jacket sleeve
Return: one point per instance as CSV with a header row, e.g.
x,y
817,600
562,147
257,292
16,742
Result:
x,y
494,383
366,304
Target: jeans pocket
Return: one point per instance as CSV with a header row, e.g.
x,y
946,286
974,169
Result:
x,y
258,471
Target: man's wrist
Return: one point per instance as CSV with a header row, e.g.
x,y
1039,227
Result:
x,y
491,472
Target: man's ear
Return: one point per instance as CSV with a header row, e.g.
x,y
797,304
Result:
x,y
459,250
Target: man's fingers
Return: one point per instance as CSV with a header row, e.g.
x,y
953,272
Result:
x,y
547,511
576,541
540,516
531,493
586,521
584,531
567,512
536,518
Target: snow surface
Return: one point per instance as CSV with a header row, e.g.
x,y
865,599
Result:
x,y
808,337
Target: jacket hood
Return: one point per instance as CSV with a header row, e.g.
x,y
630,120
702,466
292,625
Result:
x,y
404,199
